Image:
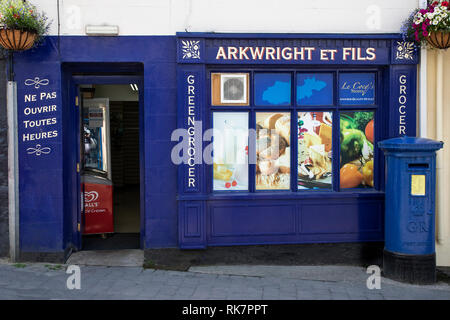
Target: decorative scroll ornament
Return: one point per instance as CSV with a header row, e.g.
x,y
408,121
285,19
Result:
x,y
190,49
38,150
37,82
405,50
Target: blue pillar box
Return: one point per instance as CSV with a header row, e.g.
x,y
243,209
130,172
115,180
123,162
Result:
x,y
409,253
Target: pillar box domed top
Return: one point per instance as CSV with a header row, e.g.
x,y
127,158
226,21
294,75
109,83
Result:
x,y
410,144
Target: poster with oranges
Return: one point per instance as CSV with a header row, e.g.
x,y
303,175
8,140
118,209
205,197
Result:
x,y
357,149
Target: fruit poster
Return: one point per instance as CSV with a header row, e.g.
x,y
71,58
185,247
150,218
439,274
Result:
x,y
357,149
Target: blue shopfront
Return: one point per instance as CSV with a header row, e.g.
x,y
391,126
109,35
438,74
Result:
x,y
244,139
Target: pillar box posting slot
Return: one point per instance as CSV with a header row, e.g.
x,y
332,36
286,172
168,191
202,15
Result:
x,y
409,253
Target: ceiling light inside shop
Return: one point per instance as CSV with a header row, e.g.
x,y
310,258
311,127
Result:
x,y
104,30
134,87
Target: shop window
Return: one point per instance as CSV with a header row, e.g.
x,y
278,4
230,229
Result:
x,y
357,149
315,89
315,150
230,151
273,89
333,126
273,167
230,89
356,88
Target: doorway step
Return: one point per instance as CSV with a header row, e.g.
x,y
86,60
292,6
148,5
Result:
x,y
109,258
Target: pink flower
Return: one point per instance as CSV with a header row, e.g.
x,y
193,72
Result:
x,y
425,33
416,34
424,27
423,11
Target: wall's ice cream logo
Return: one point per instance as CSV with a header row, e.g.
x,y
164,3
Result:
x,y
90,196
98,208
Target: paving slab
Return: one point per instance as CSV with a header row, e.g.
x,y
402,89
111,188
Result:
x,y
316,273
44,281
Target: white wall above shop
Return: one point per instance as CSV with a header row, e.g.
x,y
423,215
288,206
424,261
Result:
x,y
166,17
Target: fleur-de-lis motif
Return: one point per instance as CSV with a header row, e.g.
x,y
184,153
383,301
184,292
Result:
x,y
37,82
38,150
190,49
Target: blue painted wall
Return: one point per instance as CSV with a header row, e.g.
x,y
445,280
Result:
x,y
45,223
47,166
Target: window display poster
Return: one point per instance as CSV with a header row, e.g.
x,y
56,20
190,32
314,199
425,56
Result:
x,y
315,89
273,166
315,150
272,89
230,151
357,149
356,88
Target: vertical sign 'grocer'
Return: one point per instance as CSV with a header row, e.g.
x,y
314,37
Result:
x,y
402,100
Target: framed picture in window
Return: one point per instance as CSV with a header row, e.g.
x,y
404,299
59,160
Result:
x,y
230,89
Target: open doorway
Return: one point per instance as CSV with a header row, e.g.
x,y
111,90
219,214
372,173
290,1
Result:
x,y
110,172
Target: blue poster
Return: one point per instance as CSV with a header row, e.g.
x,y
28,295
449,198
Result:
x,y
315,89
356,88
272,89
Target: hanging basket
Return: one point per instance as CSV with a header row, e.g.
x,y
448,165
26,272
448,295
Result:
x,y
17,40
439,40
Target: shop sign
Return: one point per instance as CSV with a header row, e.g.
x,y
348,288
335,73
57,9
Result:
x,y
295,54
189,151
403,102
191,129
357,88
296,51
38,116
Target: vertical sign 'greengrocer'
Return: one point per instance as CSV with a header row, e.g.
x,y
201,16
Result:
x,y
191,96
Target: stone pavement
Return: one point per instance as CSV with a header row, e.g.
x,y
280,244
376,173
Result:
x,y
48,281
110,258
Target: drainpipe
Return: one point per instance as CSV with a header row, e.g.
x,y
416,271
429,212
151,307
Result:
x,y
423,94
13,163
423,84
440,179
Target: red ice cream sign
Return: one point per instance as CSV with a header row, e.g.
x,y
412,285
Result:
x,y
98,208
